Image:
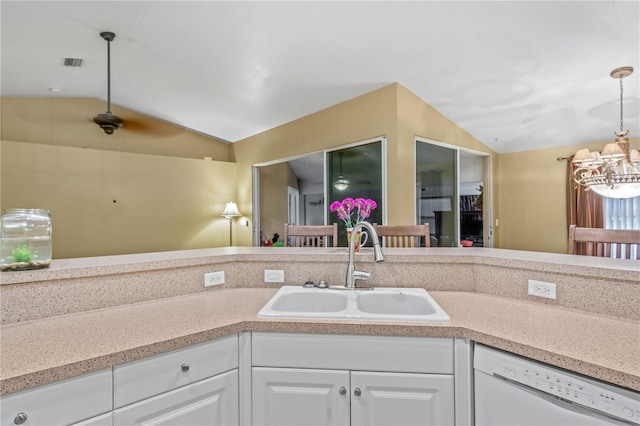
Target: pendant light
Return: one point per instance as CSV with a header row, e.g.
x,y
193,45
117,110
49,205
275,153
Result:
x,y
614,172
341,183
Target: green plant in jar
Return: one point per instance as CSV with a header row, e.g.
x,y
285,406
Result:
x,y
23,254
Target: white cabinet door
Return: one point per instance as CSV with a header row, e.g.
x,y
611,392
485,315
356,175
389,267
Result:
x,y
401,399
300,397
212,401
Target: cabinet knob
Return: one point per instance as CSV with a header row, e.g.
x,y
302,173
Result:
x,y
357,392
20,418
342,391
185,368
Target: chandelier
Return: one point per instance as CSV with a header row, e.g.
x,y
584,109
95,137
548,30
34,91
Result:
x,y
614,172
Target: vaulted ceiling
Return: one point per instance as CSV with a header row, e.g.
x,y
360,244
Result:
x,y
517,75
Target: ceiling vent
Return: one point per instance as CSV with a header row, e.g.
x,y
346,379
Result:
x,y
73,62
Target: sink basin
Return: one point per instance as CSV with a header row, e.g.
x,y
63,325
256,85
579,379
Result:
x,y
310,301
394,302
379,304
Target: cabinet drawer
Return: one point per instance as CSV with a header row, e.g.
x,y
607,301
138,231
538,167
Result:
x,y
212,401
60,403
147,377
373,353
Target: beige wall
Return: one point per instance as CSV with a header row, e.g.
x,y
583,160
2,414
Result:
x,y
143,189
63,160
532,207
105,202
361,118
392,111
68,122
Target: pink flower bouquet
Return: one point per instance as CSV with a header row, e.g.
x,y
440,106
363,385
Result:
x,y
352,211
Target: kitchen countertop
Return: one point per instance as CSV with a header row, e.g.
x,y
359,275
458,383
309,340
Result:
x,y
41,351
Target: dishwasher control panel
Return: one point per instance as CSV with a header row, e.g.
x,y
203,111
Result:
x,y
615,401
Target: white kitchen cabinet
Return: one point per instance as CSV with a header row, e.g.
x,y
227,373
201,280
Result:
x,y
60,403
287,396
401,399
351,380
196,385
291,396
210,402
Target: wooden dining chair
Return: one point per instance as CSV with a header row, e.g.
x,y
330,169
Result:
x,y
618,243
311,235
403,235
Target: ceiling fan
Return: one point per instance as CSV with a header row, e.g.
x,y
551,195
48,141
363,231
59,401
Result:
x,y
108,121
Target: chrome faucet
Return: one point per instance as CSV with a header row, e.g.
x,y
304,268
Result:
x,y
352,274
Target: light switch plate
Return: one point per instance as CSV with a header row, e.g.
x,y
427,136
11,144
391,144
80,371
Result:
x,y
273,276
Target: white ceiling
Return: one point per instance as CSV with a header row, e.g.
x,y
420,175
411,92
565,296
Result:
x,y
517,75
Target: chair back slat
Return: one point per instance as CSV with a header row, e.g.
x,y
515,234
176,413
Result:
x,y
618,243
403,235
311,235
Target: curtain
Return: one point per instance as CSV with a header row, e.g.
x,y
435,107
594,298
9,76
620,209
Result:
x,y
584,208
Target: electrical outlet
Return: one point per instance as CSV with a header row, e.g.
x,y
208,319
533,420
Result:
x,y
542,289
214,278
273,276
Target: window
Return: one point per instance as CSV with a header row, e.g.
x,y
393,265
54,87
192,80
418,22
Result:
x,y
356,171
621,213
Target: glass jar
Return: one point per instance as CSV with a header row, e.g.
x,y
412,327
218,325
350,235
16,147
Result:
x,y
25,239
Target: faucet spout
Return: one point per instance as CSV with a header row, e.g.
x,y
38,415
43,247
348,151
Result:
x,y
352,274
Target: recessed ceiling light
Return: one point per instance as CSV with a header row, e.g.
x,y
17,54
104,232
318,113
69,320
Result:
x,y
54,89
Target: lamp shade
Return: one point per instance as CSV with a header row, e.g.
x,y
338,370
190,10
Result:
x,y
231,210
612,150
582,155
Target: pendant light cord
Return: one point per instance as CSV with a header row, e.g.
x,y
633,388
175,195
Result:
x,y
621,107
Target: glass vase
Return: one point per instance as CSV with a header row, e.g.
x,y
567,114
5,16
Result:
x,y
25,239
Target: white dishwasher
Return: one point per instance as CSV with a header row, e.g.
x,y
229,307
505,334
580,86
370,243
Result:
x,y
511,390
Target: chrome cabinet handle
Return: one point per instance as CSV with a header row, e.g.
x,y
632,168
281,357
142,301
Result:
x,y
20,418
342,391
185,368
357,392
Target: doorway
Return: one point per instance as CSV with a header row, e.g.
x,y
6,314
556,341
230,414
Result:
x,y
313,176
356,172
452,187
293,210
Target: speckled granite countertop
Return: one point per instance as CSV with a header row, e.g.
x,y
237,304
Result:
x,y
42,351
